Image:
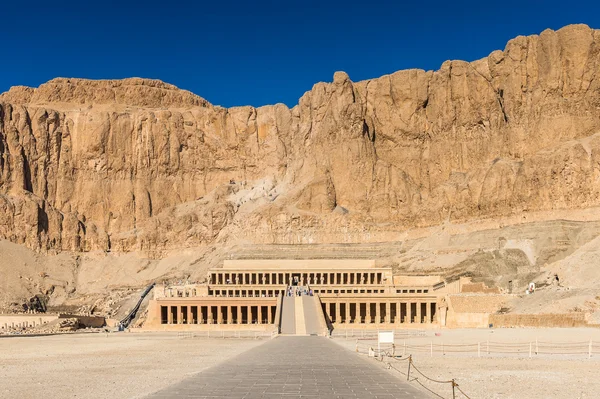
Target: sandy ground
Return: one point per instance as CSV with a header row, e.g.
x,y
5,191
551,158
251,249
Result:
x,y
121,365
132,365
503,375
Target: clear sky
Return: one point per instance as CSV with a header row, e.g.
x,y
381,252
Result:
x,y
260,52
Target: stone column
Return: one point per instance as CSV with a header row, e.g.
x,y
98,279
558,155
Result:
x,y
210,319
348,314
368,315
259,314
337,313
388,312
377,312
428,313
398,313
169,315
419,312
270,314
190,318
229,314
239,315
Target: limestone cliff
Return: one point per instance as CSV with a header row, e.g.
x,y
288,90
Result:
x,y
140,165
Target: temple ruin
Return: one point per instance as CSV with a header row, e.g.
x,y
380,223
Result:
x,y
348,293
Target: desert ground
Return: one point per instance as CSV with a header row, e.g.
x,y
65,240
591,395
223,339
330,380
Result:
x,y
132,365
505,376
119,365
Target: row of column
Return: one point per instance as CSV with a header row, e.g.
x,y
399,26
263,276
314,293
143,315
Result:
x,y
246,293
328,278
218,314
380,312
23,324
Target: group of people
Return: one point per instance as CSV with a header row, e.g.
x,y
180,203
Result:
x,y
298,291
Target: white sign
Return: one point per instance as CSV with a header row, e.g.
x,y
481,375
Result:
x,y
386,337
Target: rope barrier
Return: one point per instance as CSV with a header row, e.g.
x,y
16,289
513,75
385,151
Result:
x,y
430,379
411,365
461,391
436,394
520,348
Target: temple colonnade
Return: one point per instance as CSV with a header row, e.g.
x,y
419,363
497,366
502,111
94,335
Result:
x,y
304,278
217,314
353,311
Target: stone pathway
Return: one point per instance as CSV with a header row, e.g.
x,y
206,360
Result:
x,y
294,367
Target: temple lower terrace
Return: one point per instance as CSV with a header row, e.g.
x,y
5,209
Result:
x,y
257,294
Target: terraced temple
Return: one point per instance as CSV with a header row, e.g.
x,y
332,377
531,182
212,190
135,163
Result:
x,y
249,293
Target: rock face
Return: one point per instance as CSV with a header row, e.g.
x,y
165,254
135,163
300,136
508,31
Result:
x,y
141,165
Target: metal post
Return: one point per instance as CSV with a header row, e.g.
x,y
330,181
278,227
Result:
x,y
357,345
453,393
409,363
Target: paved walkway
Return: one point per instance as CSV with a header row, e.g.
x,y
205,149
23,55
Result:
x,y
294,367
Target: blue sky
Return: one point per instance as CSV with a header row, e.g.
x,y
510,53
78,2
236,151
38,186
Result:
x,y
259,52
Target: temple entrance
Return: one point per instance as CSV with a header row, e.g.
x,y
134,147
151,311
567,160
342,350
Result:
x,y
295,279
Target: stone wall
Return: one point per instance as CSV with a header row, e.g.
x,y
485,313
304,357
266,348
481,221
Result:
x,y
538,320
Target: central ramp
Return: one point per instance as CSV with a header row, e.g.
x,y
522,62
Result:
x,y
302,315
288,316
314,319
293,367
